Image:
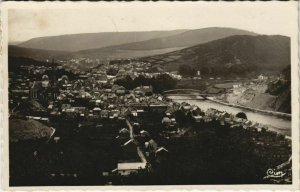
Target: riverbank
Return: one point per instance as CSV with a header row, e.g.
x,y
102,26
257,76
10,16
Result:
x,y
275,113
280,123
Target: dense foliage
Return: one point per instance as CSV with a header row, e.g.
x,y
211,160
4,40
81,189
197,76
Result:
x,y
160,83
210,154
16,62
53,73
241,115
112,71
282,89
186,70
80,156
235,56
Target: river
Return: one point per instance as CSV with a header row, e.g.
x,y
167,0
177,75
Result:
x,y
278,124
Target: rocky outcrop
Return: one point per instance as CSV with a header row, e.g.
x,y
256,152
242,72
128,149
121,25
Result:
x,y
24,130
274,96
281,88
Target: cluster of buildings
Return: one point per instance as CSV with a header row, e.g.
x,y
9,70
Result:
x,y
121,67
93,97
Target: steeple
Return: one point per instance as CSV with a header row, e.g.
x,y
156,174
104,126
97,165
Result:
x,y
53,71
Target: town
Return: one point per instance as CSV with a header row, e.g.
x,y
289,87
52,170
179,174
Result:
x,y
111,124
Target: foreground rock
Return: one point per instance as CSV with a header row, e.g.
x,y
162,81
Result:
x,y
22,130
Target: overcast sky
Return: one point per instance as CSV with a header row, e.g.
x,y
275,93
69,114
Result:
x,y
260,17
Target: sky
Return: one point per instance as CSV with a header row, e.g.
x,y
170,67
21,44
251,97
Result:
x,y
268,18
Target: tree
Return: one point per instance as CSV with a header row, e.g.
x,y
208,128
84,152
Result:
x,y
126,82
241,115
162,83
111,71
228,57
187,70
142,80
148,94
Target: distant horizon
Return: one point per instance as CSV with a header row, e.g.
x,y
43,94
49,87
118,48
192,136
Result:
x,y
97,33
126,32
28,23
18,42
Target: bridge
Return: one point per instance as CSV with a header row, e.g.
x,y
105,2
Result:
x,y
187,92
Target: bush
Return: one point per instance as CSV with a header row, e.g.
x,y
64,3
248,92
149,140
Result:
x,y
241,115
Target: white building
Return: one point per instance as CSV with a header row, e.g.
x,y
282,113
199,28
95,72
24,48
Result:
x,y
128,168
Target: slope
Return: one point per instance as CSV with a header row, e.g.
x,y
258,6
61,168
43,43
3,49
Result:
x,y
37,54
235,55
163,44
76,42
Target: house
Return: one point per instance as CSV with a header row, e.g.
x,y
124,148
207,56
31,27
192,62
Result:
x,y
166,121
43,90
96,111
140,112
130,147
173,121
211,112
56,139
44,119
121,73
134,113
21,93
238,89
197,118
71,113
262,77
126,169
111,106
144,133
144,90
102,79
151,145
114,113
158,108
168,114
199,73
104,114
97,102
161,154
50,106
124,134
91,117
107,90
130,151
195,110
135,105
185,107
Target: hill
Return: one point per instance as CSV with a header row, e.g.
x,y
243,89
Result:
x,y
185,39
235,55
163,44
120,45
281,88
76,42
16,62
38,54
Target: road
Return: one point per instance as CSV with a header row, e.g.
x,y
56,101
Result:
x,y
130,128
140,153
